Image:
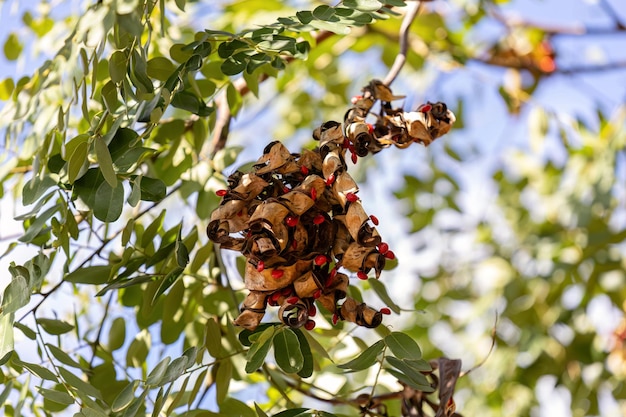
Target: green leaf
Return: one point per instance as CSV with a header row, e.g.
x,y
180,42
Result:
x,y
174,370
54,326
381,291
125,397
6,336
363,5
365,359
222,380
13,47
94,275
323,12
155,376
287,351
307,356
152,189
403,346
259,411
106,202
420,386
118,64
6,88
213,337
82,387
233,407
62,356
160,68
16,295
28,332
167,282
36,187
59,397
257,353
105,161
109,96
40,371
117,334
334,27
38,224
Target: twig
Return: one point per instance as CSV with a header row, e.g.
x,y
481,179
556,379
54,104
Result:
x,y
413,10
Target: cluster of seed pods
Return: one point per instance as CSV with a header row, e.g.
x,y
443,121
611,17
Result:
x,y
298,221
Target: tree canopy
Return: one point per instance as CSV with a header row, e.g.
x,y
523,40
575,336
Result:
x,y
500,264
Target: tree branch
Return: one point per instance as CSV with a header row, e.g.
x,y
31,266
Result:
x,y
413,9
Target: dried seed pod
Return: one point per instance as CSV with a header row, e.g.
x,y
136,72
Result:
x,y
296,214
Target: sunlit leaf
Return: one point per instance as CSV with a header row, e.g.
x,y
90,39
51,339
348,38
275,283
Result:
x,y
366,358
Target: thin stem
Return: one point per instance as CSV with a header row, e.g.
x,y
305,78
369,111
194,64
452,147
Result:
x,y
413,9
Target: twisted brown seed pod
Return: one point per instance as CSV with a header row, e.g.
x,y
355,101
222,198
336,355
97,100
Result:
x,y
297,217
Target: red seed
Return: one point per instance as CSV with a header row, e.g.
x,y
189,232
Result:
x,y
320,260
314,194
260,266
370,128
335,319
291,221
286,190
275,296
385,311
351,197
383,248
317,294
354,157
390,255
278,273
286,291
309,325
292,300
221,193
330,180
425,108
361,275
304,170
319,219
374,220
312,310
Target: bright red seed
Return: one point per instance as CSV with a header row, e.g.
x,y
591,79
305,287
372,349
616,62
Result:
x,y
278,273
383,248
317,294
313,193
374,220
361,275
390,255
319,219
320,260
291,221
304,170
286,190
370,128
260,266
330,180
351,197
221,193
312,310
385,311
292,300
309,325
335,319
275,296
425,108
354,157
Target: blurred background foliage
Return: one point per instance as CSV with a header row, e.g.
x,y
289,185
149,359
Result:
x,y
509,231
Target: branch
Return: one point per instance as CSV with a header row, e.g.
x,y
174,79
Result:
x,y
413,10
